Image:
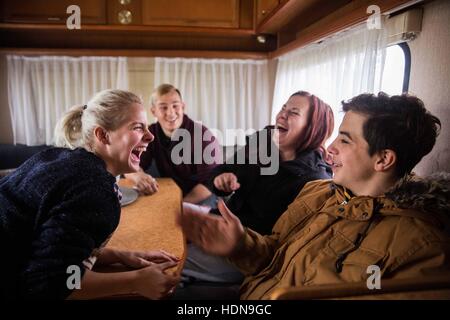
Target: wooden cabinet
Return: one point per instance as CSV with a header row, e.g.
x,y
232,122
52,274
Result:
x,y
178,13
198,13
264,8
52,11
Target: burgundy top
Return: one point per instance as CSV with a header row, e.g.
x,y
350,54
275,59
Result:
x,y
188,173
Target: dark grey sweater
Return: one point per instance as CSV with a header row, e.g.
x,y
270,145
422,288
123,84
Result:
x,y
55,210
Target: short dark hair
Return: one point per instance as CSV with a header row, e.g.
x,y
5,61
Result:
x,y
399,123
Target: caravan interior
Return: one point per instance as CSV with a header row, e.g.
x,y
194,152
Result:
x,y
236,63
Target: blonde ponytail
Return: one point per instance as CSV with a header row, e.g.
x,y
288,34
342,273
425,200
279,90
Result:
x,y
68,130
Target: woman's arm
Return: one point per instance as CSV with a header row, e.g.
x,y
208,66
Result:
x,y
133,259
197,194
150,282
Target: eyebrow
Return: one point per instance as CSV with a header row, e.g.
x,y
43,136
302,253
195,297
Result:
x,y
137,122
345,133
294,108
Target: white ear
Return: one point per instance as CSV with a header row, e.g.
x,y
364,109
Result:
x,y
386,160
101,135
152,110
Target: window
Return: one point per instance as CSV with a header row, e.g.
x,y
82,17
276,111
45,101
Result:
x,y
396,69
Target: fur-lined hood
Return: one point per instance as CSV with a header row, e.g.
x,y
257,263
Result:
x,y
430,194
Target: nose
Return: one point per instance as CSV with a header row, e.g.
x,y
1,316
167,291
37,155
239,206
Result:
x,y
170,111
282,114
332,148
148,136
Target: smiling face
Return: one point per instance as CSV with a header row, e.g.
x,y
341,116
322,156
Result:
x,y
127,143
291,122
352,165
168,109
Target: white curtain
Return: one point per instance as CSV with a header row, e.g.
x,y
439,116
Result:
x,y
222,94
41,89
336,69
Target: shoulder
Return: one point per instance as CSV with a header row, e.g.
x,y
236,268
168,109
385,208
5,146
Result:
x,y
152,128
318,188
64,168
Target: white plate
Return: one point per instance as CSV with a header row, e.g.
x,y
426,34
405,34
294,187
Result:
x,y
128,196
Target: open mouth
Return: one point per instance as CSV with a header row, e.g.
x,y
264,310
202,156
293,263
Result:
x,y
281,128
137,152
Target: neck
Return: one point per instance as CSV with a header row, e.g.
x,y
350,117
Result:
x,y
100,153
287,155
168,134
375,187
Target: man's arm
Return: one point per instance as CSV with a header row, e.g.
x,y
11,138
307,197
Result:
x,y
225,236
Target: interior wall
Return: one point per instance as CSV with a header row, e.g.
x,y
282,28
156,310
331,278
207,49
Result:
x,y
430,79
6,135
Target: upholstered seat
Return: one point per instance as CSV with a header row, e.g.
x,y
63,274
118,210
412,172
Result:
x,y
12,156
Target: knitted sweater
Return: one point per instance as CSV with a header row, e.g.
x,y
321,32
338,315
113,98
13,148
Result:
x,y
55,210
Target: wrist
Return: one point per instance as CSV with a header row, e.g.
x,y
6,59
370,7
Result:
x,y
135,281
109,256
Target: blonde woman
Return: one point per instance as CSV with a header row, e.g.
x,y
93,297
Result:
x,y
58,209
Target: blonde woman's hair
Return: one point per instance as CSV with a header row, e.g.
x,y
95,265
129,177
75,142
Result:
x,y
163,89
107,109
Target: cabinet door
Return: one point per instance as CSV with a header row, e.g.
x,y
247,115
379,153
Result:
x,y
199,13
53,11
263,8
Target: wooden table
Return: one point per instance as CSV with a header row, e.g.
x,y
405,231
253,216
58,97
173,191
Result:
x,y
149,222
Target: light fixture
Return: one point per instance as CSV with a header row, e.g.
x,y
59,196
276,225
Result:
x,y
261,39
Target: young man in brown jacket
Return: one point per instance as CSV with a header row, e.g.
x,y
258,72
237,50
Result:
x,y
373,212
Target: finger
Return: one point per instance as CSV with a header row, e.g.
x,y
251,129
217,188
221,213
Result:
x,y
144,263
227,186
166,265
236,185
216,183
144,187
225,182
225,212
160,257
221,183
153,189
168,254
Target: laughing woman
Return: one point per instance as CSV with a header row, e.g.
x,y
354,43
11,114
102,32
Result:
x,y
59,208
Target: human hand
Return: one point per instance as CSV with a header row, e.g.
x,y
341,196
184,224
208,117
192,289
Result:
x,y
226,182
141,259
152,282
214,234
144,183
